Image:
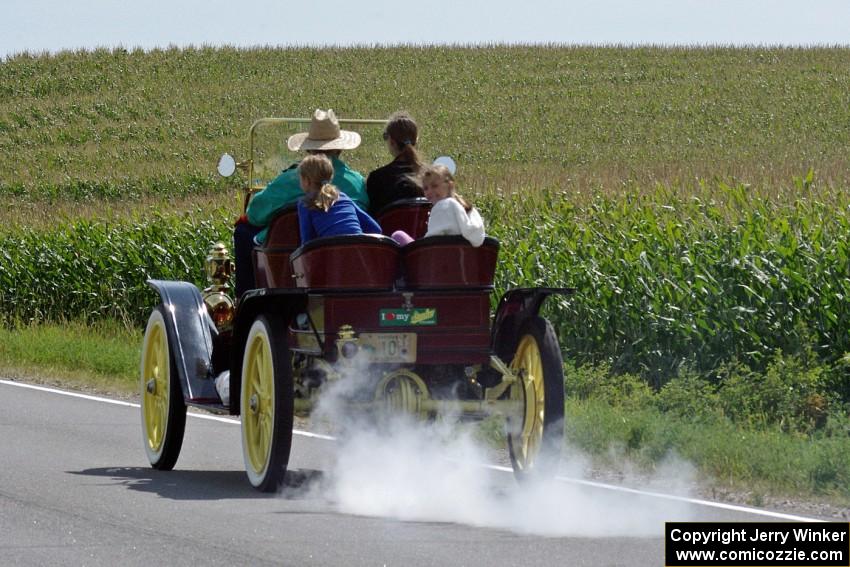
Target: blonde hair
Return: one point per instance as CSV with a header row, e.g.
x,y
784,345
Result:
x,y
441,171
317,171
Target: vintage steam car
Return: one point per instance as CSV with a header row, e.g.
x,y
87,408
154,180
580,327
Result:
x,y
412,323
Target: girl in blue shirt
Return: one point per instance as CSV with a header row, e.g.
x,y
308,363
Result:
x,y
325,211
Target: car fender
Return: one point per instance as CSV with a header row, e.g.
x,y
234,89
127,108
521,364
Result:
x,y
190,338
515,307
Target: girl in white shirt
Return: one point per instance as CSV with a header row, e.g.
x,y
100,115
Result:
x,y
450,213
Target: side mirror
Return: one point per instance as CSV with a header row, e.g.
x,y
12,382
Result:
x,y
448,162
226,165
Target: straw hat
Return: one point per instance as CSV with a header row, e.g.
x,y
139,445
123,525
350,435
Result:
x,y
324,134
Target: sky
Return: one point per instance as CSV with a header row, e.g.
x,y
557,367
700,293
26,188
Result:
x,y
55,25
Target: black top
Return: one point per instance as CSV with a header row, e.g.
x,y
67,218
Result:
x,y
391,183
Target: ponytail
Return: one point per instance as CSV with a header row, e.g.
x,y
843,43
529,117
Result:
x,y
324,198
411,156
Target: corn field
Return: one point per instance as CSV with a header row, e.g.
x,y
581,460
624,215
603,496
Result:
x,y
663,282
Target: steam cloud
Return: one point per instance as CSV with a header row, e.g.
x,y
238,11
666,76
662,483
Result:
x,y
414,471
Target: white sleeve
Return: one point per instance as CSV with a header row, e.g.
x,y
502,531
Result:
x,y
472,226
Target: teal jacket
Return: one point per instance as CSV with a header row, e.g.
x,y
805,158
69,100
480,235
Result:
x,y
285,190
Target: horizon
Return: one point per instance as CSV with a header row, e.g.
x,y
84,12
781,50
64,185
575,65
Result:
x,y
49,26
401,45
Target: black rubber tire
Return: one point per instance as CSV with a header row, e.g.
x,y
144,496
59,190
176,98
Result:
x,y
163,456
266,469
543,464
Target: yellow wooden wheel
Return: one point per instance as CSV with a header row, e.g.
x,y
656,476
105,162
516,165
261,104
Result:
x,y
266,404
534,441
163,409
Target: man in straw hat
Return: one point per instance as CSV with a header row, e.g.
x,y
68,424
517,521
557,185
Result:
x,y
324,136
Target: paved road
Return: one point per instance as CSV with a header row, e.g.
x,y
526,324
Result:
x,y
76,489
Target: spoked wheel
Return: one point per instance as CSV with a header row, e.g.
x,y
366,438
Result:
x,y
535,443
401,393
266,404
163,409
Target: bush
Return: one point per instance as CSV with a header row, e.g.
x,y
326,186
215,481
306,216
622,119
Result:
x,y
617,390
788,394
689,396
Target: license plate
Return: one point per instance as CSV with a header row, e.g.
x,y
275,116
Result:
x,y
389,347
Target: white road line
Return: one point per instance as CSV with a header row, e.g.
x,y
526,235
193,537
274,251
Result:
x,y
71,394
696,501
721,505
708,503
135,405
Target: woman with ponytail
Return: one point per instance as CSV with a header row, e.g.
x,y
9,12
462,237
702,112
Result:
x,y
397,179
324,210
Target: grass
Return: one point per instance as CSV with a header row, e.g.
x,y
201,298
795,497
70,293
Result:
x,y
726,453
103,357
